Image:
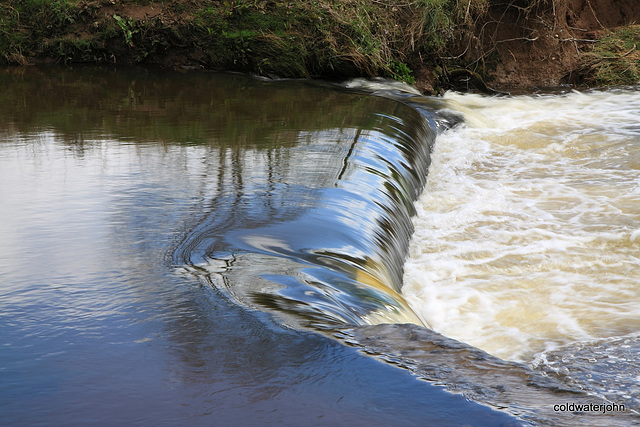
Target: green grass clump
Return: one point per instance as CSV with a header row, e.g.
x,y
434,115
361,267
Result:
x,y
25,24
254,36
615,60
402,72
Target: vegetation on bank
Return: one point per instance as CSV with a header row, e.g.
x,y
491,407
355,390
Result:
x,y
615,60
393,38
286,38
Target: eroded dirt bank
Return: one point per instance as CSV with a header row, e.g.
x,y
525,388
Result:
x,y
551,43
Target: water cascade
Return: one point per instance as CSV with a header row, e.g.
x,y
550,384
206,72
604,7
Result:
x,y
325,241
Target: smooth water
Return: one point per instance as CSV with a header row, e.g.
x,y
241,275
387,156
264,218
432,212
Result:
x,y
116,186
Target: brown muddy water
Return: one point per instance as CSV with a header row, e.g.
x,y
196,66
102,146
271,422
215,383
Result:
x,y
209,249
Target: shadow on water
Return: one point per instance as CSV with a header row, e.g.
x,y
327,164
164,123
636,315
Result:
x,y
294,197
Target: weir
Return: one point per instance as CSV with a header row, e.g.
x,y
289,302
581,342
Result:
x,y
325,238
324,246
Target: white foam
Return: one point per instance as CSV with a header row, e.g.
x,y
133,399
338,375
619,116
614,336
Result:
x,y
526,233
380,84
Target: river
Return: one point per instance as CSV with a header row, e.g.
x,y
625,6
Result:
x,y
216,248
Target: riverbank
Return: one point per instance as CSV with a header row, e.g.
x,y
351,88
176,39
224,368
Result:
x,y
433,44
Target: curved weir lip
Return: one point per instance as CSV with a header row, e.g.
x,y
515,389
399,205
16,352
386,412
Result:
x,y
324,234
317,233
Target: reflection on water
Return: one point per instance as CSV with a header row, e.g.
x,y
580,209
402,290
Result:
x,y
338,205
102,175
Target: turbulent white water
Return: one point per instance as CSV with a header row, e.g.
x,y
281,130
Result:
x,y
527,235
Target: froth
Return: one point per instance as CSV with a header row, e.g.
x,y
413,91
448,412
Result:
x,y
527,234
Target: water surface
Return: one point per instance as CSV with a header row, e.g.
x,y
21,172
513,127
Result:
x,y
214,249
118,188
527,241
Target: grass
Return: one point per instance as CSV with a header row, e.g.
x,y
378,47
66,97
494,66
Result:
x,y
326,37
287,38
294,38
615,60
26,24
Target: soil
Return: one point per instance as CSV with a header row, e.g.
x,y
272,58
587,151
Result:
x,y
554,42
540,48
